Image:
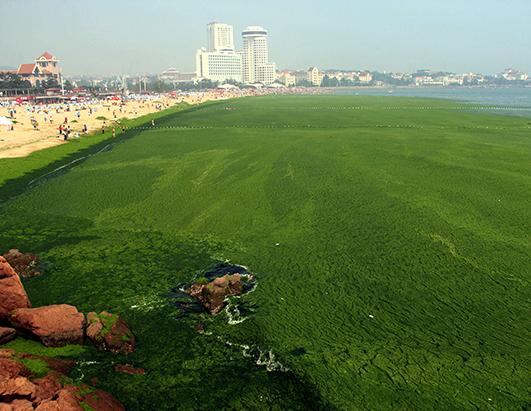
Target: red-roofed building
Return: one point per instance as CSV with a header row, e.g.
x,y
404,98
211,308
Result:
x,y
47,56
27,69
46,67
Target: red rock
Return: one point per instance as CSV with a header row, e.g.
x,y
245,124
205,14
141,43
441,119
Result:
x,y
24,265
7,334
16,387
46,387
11,290
17,405
6,352
5,268
10,368
103,401
212,295
220,281
129,369
109,332
54,325
66,401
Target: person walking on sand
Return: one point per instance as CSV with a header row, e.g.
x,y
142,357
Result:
x,y
102,129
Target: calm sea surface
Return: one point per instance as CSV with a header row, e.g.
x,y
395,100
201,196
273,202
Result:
x,y
515,97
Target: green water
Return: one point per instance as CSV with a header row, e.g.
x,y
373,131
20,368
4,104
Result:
x,y
389,237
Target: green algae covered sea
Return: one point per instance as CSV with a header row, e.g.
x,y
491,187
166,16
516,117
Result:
x,y
389,238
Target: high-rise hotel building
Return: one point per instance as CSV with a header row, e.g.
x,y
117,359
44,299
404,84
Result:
x,y
219,62
256,65
220,37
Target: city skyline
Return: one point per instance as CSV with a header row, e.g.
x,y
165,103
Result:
x,y
474,37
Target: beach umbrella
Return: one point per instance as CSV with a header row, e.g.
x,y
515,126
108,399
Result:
x,y
4,121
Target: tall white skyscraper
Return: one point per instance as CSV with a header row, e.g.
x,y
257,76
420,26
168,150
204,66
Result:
x,y
220,37
219,62
256,65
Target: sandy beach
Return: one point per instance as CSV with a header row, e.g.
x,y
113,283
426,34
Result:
x,y
25,138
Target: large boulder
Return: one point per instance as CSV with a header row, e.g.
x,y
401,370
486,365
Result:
x,y
12,293
46,387
7,334
109,332
16,387
212,295
14,381
25,264
10,367
54,325
17,405
65,401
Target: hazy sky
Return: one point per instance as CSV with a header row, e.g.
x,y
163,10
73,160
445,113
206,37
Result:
x,y
131,36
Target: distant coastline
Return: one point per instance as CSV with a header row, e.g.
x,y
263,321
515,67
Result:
x,y
517,96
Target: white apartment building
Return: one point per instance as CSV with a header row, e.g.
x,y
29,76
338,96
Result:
x,y
219,62
256,65
220,37
365,77
218,65
314,76
287,78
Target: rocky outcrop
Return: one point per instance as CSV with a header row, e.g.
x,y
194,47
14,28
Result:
x,y
64,400
12,292
46,387
24,264
17,405
7,334
109,332
10,368
212,294
20,391
54,325
15,387
57,325
14,382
